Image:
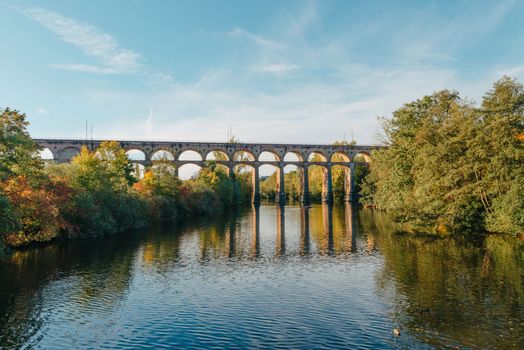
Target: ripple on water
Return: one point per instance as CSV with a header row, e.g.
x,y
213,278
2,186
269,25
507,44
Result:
x,y
205,287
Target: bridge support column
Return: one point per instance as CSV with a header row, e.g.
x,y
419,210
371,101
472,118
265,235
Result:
x,y
304,196
256,187
327,190
350,195
281,192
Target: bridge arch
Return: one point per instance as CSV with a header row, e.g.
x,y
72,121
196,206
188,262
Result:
x,y
46,154
269,156
217,154
67,153
134,154
189,154
163,154
340,157
312,155
362,156
189,170
242,155
134,147
293,156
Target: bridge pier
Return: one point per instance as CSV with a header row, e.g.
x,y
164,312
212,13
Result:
x,y
327,186
304,196
280,193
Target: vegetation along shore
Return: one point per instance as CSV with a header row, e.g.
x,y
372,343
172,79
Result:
x,y
449,167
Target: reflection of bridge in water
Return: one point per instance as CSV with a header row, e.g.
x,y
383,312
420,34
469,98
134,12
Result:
x,y
328,241
239,154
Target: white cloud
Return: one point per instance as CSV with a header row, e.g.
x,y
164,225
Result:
x,y
332,90
321,112
277,68
239,32
42,110
101,46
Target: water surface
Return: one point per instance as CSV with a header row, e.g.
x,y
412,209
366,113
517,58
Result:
x,y
266,278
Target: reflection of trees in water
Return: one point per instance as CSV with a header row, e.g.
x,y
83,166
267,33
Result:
x,y
101,279
322,229
160,248
334,228
229,235
469,293
223,237
213,241
454,291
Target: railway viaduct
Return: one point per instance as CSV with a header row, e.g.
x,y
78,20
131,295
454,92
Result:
x,y
235,154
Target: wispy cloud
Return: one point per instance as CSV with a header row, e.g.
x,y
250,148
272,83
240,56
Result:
x,y
277,68
257,39
42,110
103,47
336,81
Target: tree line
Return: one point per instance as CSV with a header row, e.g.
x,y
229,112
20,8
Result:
x,y
451,166
97,193
100,192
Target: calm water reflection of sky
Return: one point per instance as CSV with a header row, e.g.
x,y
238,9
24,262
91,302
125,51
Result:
x,y
267,278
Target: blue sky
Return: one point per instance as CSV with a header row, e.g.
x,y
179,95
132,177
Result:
x,y
276,71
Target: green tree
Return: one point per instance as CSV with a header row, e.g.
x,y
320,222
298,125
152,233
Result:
x,y
498,152
19,160
451,166
18,152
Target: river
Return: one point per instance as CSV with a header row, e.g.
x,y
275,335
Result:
x,y
266,278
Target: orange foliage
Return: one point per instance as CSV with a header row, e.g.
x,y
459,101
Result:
x,y
146,184
38,209
520,137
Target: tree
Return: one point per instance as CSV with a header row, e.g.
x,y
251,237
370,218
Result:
x,y
37,210
19,159
18,152
160,187
451,166
117,164
499,155
107,169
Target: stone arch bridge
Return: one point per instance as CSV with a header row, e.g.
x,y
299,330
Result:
x,y
328,156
